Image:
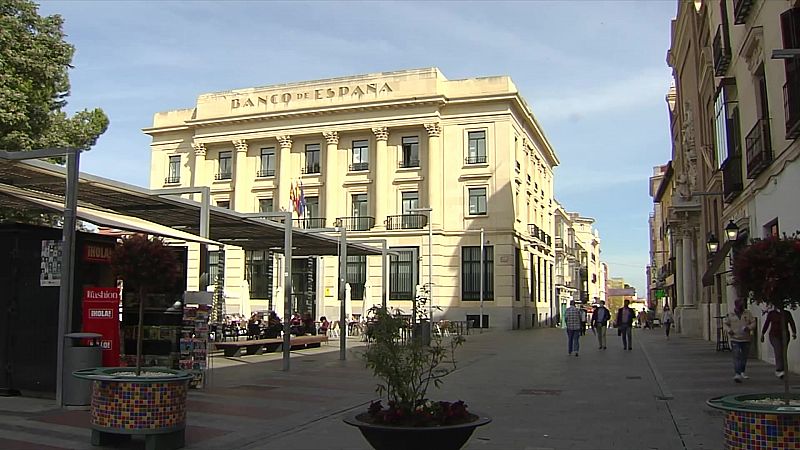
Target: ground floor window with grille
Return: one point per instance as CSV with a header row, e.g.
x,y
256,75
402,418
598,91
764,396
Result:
x,y
258,273
403,273
356,275
471,273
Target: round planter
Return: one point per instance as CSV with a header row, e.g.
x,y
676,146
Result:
x,y
154,405
755,426
446,437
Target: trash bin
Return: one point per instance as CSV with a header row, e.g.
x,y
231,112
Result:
x,y
81,351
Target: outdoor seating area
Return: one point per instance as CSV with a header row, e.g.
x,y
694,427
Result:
x,y
259,346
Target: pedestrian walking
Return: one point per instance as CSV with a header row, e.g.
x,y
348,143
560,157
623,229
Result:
x,y
666,319
600,320
625,316
572,318
777,338
739,324
583,320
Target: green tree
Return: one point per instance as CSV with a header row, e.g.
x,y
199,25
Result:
x,y
34,84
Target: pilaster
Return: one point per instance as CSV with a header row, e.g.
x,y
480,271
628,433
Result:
x,y
434,174
382,182
241,178
199,170
283,203
331,174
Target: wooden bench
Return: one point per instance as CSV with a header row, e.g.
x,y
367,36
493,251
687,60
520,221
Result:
x,y
259,346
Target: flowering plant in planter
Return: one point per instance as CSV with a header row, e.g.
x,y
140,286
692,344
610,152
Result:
x,y
407,369
768,271
146,266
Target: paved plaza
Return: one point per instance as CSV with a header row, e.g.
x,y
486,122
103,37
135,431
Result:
x,y
652,397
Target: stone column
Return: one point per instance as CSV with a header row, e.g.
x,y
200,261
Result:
x,y
382,183
331,173
524,173
284,174
199,170
241,178
434,173
679,271
688,285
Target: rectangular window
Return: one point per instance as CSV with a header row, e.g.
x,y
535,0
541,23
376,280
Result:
x,y
471,273
258,273
477,201
225,167
265,205
410,146
224,203
267,162
728,132
476,147
214,272
312,207
356,275
410,201
403,273
360,156
790,28
360,206
174,170
312,159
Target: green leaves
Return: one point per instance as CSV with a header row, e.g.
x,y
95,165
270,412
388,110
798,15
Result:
x,y
407,368
768,271
34,83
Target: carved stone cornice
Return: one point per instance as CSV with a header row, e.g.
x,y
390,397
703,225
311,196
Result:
x,y
332,137
381,133
199,148
285,141
434,129
240,144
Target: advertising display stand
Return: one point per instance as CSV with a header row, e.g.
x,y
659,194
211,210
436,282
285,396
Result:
x,y
194,343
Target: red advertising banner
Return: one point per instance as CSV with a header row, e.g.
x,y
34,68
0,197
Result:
x,y
101,315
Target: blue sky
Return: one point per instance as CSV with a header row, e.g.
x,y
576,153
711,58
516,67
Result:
x,y
593,72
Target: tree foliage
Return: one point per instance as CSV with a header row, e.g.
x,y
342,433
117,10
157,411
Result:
x,y
34,84
768,271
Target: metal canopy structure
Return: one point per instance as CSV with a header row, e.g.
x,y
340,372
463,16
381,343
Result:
x,y
226,226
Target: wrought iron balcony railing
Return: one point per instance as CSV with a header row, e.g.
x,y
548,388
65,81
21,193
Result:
x,y
408,163
309,223
223,176
266,173
475,159
172,180
359,167
758,148
721,51
741,8
406,222
310,169
533,230
357,223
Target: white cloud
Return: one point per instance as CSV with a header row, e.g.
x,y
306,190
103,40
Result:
x,y
642,89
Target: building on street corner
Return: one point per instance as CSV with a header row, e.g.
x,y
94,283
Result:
x,y
367,152
735,120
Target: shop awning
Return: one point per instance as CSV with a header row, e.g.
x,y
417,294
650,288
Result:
x,y
99,217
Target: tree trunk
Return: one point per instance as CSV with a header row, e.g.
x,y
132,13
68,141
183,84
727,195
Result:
x,y
139,329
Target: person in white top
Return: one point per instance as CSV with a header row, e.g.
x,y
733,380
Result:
x,y
667,320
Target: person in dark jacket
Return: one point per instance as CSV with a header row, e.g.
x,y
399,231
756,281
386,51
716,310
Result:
x,y
625,316
776,338
600,320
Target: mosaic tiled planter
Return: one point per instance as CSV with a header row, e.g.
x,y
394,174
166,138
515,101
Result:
x,y
751,426
123,406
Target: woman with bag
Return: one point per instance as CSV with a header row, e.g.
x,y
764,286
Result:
x,y
666,319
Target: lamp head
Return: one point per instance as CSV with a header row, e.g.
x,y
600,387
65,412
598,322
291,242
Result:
x,y
732,231
712,244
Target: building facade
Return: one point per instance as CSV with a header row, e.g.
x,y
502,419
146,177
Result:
x,y
367,153
737,107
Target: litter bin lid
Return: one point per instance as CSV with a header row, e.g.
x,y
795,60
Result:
x,y
83,335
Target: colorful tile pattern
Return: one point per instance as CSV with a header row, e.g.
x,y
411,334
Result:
x,y
139,406
754,431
